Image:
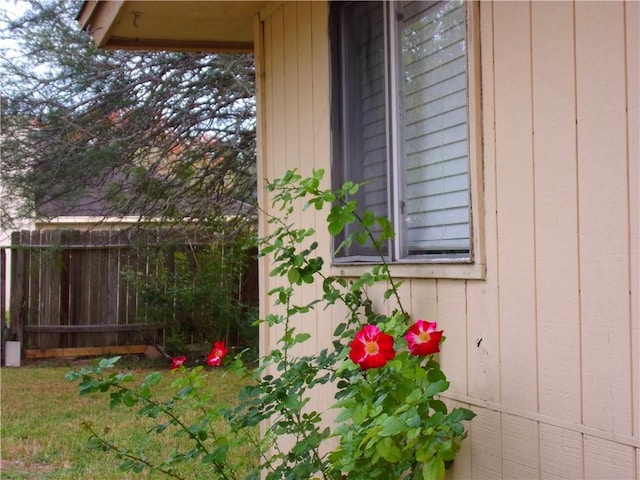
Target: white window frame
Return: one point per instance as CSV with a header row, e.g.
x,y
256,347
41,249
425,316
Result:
x,y
473,265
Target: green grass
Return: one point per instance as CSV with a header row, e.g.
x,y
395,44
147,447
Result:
x,y
42,424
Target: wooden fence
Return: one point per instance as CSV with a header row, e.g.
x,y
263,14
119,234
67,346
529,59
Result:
x,y
68,291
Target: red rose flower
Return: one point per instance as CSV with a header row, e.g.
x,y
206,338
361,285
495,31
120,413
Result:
x,y
371,348
423,339
177,362
217,354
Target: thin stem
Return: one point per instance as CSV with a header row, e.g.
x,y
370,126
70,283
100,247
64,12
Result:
x,y
124,454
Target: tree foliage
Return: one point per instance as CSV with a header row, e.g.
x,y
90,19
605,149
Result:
x,y
164,136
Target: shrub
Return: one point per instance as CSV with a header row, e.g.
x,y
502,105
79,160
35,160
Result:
x,y
198,293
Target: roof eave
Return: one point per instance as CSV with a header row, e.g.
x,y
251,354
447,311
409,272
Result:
x,y
187,25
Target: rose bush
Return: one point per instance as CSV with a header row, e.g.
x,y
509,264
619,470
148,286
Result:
x,y
391,422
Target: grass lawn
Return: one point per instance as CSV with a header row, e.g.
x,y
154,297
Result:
x,y
42,433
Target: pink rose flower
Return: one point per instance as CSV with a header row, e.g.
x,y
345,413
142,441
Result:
x,y
371,348
423,339
217,354
177,362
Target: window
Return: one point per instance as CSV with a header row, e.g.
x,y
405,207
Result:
x,y
401,124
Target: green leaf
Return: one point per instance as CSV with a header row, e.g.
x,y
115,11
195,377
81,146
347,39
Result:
x,y
368,219
335,227
292,402
388,450
94,443
339,329
436,374
392,426
347,185
127,465
219,455
282,296
359,413
88,386
353,189
329,196
293,275
301,337
459,414
438,406
116,399
436,387
129,400
145,391
108,362
152,379
414,397
343,416
184,392
433,469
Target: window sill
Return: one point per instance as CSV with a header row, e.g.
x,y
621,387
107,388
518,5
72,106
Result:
x,y
462,271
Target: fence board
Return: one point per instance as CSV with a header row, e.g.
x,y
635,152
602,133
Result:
x,y
123,290
86,351
33,276
50,281
81,291
132,327
96,273
111,295
64,302
75,260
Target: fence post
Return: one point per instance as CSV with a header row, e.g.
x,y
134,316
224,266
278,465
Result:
x,y
3,286
16,306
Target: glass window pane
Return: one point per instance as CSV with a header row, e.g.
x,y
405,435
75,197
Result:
x,y
434,127
364,107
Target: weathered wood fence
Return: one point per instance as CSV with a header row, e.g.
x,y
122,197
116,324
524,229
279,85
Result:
x,y
68,291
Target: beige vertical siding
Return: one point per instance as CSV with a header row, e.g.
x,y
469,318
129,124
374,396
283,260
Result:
x,y
514,195
546,348
602,215
556,192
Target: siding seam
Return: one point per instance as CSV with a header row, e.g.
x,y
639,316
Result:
x,y
634,414
544,419
497,226
578,244
535,233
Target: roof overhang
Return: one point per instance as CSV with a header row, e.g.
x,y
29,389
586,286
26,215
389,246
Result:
x,y
202,26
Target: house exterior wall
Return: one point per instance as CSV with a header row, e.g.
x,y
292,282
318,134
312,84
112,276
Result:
x,y
546,347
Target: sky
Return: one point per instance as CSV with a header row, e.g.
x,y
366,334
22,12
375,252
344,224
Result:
x,y
13,9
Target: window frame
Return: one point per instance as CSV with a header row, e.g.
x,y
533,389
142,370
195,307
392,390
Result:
x,y
472,266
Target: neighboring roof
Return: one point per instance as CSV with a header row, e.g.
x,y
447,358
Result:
x,y
203,26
